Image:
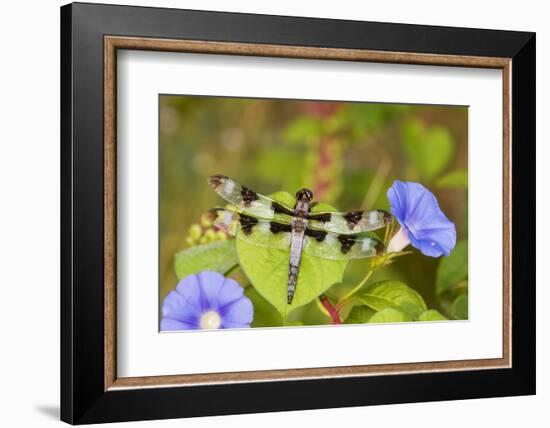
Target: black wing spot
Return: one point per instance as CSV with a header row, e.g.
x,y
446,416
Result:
x,y
323,218
275,227
353,217
318,235
280,209
248,196
386,216
347,241
247,223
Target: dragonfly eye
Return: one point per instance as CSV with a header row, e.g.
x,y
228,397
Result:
x,y
304,195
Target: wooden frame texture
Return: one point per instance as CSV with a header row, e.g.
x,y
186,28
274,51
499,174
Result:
x,y
114,43
106,397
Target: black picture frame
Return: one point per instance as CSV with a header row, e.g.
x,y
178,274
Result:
x,y
83,396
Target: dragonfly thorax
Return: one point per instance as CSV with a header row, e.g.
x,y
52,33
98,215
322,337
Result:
x,y
304,195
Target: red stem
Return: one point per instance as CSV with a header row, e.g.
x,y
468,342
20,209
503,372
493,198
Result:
x,y
334,316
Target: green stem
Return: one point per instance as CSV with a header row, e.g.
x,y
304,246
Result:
x,y
345,300
351,294
232,269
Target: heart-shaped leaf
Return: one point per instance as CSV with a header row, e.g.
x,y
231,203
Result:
x,y
359,315
219,256
394,295
267,269
431,315
389,315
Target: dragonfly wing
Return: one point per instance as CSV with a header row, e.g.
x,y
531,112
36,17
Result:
x,y
255,231
225,220
350,222
246,200
334,246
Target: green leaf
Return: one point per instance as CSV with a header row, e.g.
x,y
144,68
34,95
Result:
x,y
284,197
394,295
431,315
265,314
267,270
452,269
389,315
359,315
459,309
219,256
454,179
430,149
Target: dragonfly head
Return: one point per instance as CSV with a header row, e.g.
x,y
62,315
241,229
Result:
x,y
304,195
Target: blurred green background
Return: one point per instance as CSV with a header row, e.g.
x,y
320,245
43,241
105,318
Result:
x,y
347,153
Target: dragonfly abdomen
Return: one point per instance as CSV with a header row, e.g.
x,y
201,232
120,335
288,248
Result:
x,y
292,280
296,245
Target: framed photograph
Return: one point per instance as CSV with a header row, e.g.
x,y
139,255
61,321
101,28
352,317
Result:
x,y
265,213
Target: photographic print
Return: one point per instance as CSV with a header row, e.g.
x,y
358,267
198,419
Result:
x,y
290,213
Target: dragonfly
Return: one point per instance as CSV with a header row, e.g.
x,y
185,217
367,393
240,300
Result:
x,y
265,222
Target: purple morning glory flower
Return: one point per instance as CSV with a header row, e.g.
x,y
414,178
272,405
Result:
x,y
423,224
207,300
